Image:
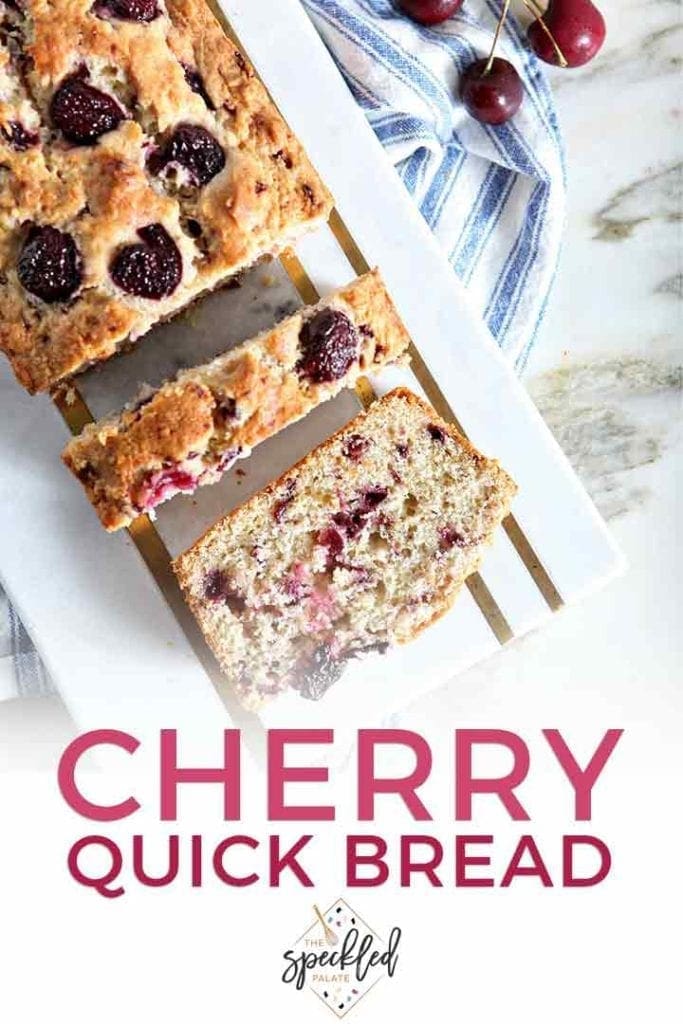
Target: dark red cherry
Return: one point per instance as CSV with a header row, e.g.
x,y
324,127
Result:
x,y
216,585
195,149
196,83
219,590
355,446
492,96
151,268
436,433
19,138
83,113
331,539
449,537
373,497
577,27
128,10
50,264
429,12
280,506
329,344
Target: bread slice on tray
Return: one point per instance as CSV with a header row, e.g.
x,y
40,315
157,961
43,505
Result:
x,y
192,429
360,546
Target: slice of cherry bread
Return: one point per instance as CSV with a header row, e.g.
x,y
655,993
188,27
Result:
x,y
191,430
361,545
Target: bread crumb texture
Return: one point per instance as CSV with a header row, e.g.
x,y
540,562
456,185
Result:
x,y
359,547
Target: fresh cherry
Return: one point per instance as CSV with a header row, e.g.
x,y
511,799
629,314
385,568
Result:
x,y
128,10
574,27
429,12
19,138
329,344
151,268
491,90
49,265
83,113
195,149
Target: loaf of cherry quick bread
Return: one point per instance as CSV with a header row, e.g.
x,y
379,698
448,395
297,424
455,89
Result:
x,y
360,546
142,164
192,429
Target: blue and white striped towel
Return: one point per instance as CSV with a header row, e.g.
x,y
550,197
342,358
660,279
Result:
x,y
494,197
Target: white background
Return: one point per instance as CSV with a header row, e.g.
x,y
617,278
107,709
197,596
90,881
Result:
x,y
524,954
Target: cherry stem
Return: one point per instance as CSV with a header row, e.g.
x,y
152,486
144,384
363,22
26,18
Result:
x,y
538,11
499,29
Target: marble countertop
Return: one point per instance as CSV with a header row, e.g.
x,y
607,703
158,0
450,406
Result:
x,y
606,375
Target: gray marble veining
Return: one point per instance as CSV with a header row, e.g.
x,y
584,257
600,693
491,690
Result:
x,y
613,418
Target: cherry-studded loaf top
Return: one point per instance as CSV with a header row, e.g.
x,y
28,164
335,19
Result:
x,y
361,545
192,429
141,163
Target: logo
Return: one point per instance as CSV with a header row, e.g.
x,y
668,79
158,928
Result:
x,y
340,958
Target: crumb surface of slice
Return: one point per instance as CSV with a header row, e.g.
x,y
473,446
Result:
x,y
194,428
359,547
142,163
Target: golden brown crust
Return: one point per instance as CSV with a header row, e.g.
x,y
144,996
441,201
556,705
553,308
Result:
x,y
102,193
228,406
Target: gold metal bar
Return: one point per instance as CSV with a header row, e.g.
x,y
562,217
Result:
x,y
532,562
299,278
486,602
348,244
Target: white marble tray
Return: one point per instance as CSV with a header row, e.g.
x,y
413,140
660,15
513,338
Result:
x,y
115,636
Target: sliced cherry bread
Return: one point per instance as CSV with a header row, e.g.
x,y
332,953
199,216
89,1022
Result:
x,y
361,545
192,429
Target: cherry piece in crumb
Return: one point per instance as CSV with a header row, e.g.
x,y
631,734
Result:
x,y
429,12
219,590
492,96
196,83
577,27
49,265
436,433
355,447
83,113
151,268
129,10
19,138
195,149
